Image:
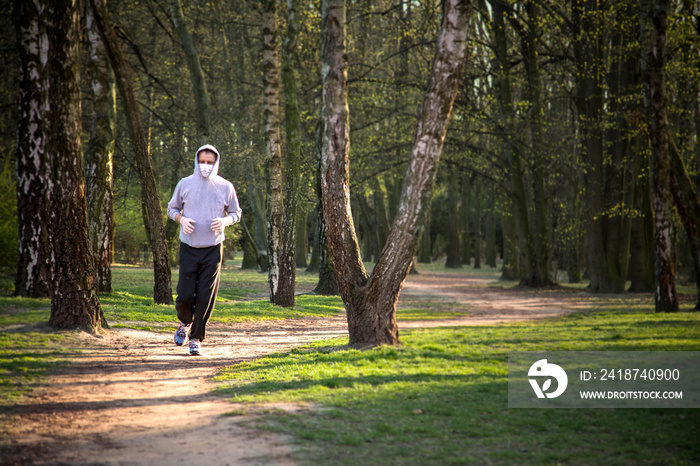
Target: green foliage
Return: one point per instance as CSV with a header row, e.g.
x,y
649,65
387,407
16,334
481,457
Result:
x,y
9,235
441,398
130,234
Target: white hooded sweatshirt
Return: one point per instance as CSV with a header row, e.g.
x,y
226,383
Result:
x,y
203,199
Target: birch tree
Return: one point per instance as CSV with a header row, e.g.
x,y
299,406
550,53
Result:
x,y
99,155
665,297
292,161
33,268
513,147
370,301
74,301
162,292
273,151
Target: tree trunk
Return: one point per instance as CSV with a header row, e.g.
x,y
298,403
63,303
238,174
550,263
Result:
x,y
465,218
250,252
642,242
370,302
574,241
292,161
607,189
540,276
588,50
313,265
273,156
199,87
665,296
172,238
256,197
368,222
509,271
425,247
33,170
454,253
688,207
301,248
622,170
74,301
477,225
490,234
380,212
526,258
162,291
327,284
99,155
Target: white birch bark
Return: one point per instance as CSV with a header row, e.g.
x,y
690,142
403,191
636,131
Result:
x,y
99,155
371,302
273,154
74,301
33,171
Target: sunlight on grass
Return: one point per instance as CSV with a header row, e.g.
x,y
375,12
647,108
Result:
x,y
26,356
444,393
440,398
426,314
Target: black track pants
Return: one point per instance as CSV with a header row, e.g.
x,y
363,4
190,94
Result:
x,y
200,271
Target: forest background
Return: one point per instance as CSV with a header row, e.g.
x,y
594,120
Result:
x,y
546,163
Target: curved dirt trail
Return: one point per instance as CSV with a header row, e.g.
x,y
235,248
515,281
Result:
x,y
133,397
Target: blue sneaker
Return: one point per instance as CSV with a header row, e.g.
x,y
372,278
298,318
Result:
x,y
182,334
195,347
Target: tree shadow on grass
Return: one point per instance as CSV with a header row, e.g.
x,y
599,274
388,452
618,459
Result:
x,y
442,419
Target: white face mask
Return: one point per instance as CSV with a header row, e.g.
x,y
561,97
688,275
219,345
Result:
x,y
205,170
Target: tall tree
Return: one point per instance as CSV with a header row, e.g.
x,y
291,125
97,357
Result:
x,y
454,196
99,155
33,268
527,252
74,301
327,284
370,301
201,96
666,298
608,191
162,291
530,38
688,206
256,199
624,167
292,160
273,156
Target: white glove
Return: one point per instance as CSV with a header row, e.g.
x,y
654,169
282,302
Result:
x,y
218,224
187,225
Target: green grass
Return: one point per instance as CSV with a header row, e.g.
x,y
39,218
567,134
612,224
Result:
x,y
239,300
28,348
441,398
131,305
29,351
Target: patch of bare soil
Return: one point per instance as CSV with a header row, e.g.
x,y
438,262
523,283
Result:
x,y
485,303
133,397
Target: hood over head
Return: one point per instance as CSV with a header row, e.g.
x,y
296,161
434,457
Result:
x,y
215,170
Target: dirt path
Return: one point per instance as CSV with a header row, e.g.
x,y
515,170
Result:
x,y
133,397
486,304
